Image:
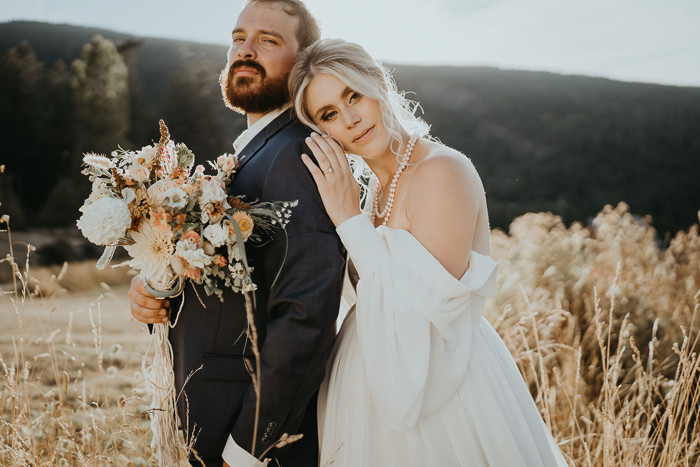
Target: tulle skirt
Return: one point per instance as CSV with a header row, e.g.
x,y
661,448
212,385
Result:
x,y
491,420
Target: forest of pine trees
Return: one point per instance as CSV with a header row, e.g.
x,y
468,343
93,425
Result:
x,y
50,117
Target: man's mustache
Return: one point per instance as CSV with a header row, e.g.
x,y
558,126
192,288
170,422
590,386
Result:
x,y
248,64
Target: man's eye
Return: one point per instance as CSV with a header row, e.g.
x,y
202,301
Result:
x,y
237,39
328,116
270,41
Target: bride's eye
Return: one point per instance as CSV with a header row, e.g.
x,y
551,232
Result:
x,y
356,96
328,116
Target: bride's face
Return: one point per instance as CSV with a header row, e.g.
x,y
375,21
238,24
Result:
x,y
354,119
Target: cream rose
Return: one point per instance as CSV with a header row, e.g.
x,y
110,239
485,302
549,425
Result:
x,y
212,192
158,191
216,234
227,162
139,173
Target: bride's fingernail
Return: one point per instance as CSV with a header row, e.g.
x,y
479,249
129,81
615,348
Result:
x,y
313,133
304,156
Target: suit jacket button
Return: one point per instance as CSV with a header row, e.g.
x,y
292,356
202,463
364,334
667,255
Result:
x,y
273,424
265,440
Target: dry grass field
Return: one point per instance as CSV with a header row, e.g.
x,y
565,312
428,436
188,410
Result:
x,y
602,322
72,379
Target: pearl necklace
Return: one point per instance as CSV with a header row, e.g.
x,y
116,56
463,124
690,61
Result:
x,y
386,212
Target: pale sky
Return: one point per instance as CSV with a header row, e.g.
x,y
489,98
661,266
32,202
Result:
x,y
656,41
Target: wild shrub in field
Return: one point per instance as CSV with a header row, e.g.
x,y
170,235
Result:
x,y
603,325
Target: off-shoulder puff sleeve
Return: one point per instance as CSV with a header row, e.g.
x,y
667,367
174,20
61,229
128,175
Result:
x,y
414,319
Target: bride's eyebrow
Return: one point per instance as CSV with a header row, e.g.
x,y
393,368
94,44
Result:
x,y
320,111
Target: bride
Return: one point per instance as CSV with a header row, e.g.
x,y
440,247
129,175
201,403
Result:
x,y
417,376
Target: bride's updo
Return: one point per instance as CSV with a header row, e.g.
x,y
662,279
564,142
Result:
x,y
352,65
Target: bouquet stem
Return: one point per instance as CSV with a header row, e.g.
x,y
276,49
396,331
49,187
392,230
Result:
x,y
163,413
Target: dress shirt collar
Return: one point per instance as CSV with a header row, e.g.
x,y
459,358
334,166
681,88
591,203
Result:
x,y
256,127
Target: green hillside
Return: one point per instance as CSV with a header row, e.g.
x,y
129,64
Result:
x,y
541,141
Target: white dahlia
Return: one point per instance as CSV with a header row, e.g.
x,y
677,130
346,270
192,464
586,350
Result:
x,y
105,221
152,254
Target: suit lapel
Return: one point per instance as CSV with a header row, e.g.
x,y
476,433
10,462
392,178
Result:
x,y
252,148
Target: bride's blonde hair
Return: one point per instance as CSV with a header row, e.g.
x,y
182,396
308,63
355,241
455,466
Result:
x,y
352,65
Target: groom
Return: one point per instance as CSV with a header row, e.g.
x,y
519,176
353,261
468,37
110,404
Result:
x,y
298,274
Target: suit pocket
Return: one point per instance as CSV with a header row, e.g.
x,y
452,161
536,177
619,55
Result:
x,y
227,368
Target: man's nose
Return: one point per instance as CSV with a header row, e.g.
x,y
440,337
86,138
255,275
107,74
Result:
x,y
246,51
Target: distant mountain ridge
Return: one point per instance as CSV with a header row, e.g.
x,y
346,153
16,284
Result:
x,y
541,141
158,58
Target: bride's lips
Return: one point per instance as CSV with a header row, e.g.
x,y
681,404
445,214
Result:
x,y
364,136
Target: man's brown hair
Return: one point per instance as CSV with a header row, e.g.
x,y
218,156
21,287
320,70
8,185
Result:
x,y
308,29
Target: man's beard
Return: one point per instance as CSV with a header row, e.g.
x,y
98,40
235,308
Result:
x,y
242,95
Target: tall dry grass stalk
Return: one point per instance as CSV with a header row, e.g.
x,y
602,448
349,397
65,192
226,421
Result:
x,y
603,325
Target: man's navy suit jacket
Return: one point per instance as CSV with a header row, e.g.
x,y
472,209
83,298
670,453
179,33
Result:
x,y
299,279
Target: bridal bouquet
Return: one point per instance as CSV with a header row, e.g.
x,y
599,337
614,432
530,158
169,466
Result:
x,y
177,225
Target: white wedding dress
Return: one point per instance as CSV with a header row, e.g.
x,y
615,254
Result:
x,y
417,377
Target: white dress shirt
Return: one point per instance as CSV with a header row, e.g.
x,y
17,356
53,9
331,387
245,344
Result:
x,y
233,454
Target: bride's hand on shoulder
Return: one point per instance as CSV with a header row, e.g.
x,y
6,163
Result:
x,y
339,190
